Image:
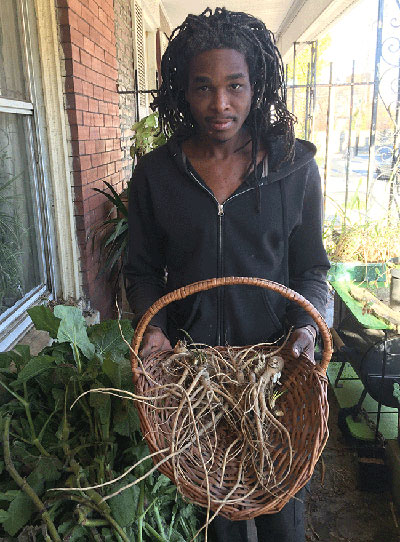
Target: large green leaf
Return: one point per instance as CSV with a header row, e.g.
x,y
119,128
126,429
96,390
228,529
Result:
x,y
113,371
34,367
44,319
107,338
22,508
126,419
73,329
124,506
3,515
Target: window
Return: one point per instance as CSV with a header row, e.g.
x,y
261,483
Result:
x,y
24,250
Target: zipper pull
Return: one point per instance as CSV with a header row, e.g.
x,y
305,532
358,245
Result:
x,y
220,209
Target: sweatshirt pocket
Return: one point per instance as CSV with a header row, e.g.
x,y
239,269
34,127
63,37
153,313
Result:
x,y
193,312
270,310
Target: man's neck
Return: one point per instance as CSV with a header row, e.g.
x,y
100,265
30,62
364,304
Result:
x,y
203,147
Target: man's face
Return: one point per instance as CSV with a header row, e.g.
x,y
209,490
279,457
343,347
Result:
x,y
219,92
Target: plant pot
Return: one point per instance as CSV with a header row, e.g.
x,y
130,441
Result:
x,y
357,272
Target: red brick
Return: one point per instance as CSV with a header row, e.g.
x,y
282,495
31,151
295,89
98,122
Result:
x,y
79,132
109,59
92,175
93,105
78,89
94,8
88,119
103,108
109,144
102,16
72,119
113,109
98,92
102,172
98,38
98,119
110,168
108,120
106,33
76,37
117,142
116,122
94,132
97,160
88,45
86,162
87,90
86,58
78,148
106,133
99,52
76,6
71,51
82,102
100,145
115,156
83,24
78,70
90,147
108,9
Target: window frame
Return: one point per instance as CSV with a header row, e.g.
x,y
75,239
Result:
x,y
14,322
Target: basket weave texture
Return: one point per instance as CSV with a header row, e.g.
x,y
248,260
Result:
x,y
305,415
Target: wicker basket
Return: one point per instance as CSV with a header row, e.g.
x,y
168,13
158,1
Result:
x,y
305,408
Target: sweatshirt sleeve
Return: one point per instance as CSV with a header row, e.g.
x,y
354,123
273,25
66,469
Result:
x,y
308,262
144,269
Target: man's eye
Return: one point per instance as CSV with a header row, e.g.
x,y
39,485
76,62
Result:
x,y
203,88
236,86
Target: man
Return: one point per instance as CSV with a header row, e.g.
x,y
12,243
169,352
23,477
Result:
x,y
231,194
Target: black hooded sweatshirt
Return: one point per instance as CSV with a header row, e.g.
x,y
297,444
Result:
x,y
179,234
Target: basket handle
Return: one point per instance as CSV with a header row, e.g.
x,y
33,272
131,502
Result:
x,y
203,285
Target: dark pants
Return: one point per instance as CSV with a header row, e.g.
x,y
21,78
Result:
x,y
286,526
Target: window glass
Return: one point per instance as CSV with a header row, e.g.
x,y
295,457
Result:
x,y
12,83
21,267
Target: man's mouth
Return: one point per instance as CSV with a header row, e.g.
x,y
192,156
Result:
x,y
220,124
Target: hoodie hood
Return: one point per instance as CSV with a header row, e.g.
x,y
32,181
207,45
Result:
x,y
273,170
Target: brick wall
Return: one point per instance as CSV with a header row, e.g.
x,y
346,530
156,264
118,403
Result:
x,y
126,79
87,35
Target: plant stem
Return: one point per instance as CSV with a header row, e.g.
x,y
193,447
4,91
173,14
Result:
x,y
117,528
23,484
154,533
140,512
158,520
35,440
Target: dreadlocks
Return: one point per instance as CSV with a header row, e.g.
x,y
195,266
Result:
x,y
225,29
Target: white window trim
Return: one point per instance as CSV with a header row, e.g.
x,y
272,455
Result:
x,y
52,163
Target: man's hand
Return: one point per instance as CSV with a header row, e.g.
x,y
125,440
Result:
x,y
153,341
303,340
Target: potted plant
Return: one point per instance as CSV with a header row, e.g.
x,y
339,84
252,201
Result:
x,y
113,232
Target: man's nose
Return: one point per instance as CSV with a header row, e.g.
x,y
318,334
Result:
x,y
220,101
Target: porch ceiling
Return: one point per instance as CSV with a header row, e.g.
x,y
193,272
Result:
x,y
289,20
272,12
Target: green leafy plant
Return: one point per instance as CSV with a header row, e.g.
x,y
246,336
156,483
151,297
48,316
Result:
x,y
350,236
48,445
113,232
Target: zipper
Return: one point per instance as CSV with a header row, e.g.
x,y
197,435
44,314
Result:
x,y
220,254
220,292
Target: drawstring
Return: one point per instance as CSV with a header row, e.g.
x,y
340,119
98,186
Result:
x,y
285,229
